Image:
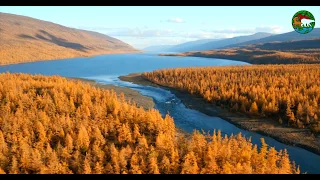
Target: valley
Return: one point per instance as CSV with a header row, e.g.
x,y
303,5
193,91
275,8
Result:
x,y
113,90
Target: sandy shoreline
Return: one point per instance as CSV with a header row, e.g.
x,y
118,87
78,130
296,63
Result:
x,y
291,136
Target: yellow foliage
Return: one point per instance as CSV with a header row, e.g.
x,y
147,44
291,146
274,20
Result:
x,y
48,126
288,91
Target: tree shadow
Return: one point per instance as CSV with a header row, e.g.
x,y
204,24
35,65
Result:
x,y
26,36
60,42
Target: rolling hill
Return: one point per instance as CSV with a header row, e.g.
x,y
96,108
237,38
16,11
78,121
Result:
x,y
159,48
25,39
290,36
190,45
293,52
239,41
209,44
229,41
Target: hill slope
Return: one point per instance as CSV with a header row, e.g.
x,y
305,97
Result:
x,y
290,52
214,44
25,39
159,48
190,45
315,33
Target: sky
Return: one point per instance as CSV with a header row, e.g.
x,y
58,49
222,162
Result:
x,y
146,26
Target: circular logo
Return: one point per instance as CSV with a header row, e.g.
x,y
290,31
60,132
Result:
x,y
303,22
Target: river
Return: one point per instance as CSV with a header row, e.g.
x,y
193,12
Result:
x,y
106,69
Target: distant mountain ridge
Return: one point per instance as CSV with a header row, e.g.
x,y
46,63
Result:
x,y
286,52
241,41
177,48
159,48
26,39
209,44
290,36
229,41
190,45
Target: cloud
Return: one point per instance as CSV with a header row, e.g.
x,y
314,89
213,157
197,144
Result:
x,y
145,36
233,30
204,23
139,32
176,20
210,35
146,32
133,32
269,29
200,35
151,41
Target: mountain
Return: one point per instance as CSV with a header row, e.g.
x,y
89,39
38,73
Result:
x,y
25,39
178,48
296,45
190,45
159,48
315,33
230,41
286,52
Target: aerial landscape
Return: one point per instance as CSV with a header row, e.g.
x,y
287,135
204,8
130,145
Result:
x,y
159,90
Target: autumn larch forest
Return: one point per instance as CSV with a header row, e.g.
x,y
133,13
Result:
x,y
52,125
289,94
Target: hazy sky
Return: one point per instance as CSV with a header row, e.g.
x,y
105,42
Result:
x,y
164,25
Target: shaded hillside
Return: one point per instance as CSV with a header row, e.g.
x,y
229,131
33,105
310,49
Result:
x,y
294,52
290,36
159,48
290,45
53,126
224,42
178,48
25,39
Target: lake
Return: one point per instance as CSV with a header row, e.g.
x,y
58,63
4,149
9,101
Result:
x,y
106,69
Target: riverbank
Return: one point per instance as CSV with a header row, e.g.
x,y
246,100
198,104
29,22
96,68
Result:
x,y
291,136
130,94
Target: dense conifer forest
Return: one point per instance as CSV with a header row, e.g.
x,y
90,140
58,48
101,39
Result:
x,y
52,125
288,93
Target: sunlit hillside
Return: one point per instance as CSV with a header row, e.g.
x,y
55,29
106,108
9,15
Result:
x,y
25,39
